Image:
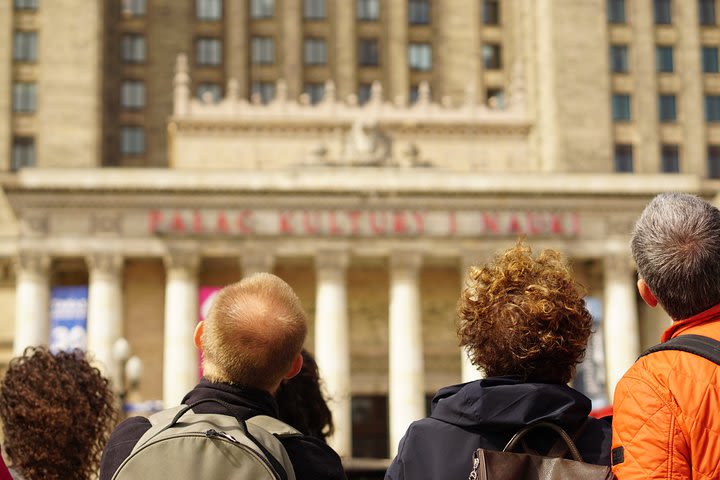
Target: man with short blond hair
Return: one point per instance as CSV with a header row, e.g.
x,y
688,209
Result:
x,y
251,341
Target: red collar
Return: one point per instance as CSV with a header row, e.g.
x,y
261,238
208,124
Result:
x,y
680,326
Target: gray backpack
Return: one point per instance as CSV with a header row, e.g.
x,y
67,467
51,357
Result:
x,y
183,444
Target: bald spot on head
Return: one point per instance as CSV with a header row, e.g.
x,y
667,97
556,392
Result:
x,y
254,331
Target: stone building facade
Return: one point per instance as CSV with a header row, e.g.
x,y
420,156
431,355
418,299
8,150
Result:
x,y
366,151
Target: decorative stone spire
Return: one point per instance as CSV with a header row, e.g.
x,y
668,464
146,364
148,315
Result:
x,y
281,92
423,94
376,93
232,90
181,84
330,96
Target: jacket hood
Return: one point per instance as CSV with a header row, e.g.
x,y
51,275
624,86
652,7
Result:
x,y
506,403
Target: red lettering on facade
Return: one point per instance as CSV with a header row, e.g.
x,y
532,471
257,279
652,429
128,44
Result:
x,y
311,222
555,224
154,220
197,222
490,222
452,223
222,224
399,225
375,226
355,222
534,227
514,225
241,221
285,222
178,224
333,226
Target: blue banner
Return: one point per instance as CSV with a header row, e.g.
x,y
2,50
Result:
x,y
68,318
590,374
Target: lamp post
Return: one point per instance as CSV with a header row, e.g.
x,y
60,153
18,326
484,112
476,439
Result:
x,y
130,369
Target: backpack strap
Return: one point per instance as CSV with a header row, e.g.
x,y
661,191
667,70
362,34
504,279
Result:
x,y
274,426
699,345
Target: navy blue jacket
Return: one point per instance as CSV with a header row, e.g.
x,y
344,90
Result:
x,y
312,459
486,414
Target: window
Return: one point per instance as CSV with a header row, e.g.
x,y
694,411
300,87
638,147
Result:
x,y
491,56
316,91
616,11
314,9
24,97
370,426
209,10
664,58
491,12
364,93
265,90
670,159
25,46
213,89
621,107
262,50
713,158
134,8
619,58
666,108
712,108
368,52
663,12
495,98
415,93
262,8
23,153
419,12
26,4
133,48
420,56
706,11
623,158
315,51
208,51
368,10
132,140
132,94
710,59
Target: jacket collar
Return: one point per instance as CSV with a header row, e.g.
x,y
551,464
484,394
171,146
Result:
x,y
239,397
681,326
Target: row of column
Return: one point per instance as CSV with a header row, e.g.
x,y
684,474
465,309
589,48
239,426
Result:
x,y
332,340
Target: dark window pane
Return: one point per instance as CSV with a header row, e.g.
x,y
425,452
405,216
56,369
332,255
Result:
x,y
368,10
491,12
133,48
23,153
315,51
262,50
495,98
364,92
664,58
714,161
211,91
621,107
712,108
316,91
208,51
623,158
616,11
209,10
619,58
368,52
134,8
264,91
419,12
666,108
24,97
25,46
492,56
132,94
706,11
314,9
670,159
132,140
262,8
370,426
710,59
26,4
663,11
420,56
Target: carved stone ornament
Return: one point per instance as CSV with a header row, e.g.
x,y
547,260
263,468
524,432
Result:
x,y
32,263
366,145
105,263
187,260
332,259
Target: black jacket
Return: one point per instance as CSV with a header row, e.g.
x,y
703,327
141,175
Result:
x,y
486,414
311,458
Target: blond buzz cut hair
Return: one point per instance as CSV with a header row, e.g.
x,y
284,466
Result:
x,y
254,331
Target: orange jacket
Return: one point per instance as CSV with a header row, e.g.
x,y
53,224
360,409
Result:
x,y
667,411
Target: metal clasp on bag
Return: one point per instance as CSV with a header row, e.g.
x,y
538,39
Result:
x,y
476,464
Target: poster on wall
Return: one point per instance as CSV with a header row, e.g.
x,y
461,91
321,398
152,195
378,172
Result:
x,y
590,375
68,318
206,295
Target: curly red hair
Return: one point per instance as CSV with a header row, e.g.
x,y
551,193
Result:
x,y
57,412
524,316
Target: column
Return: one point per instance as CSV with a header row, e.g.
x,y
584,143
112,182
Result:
x,y
237,45
181,361
105,315
256,260
690,96
292,44
456,51
398,82
407,373
620,321
468,372
345,51
32,294
332,343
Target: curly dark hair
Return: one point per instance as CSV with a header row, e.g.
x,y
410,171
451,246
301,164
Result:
x,y
57,412
524,317
302,404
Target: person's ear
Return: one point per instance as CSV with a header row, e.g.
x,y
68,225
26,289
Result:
x,y
295,368
198,335
645,293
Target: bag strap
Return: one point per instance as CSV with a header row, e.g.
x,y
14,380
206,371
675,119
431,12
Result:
x,y
699,345
568,441
560,448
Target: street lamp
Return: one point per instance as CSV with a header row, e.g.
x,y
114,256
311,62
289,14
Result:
x,y
129,371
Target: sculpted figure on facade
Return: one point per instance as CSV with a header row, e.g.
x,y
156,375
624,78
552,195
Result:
x,y
366,145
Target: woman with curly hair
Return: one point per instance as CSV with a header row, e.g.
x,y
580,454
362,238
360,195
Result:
x,y
57,412
524,322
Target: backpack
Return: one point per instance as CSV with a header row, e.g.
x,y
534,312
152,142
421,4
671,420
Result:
x,y
183,444
700,345
507,465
